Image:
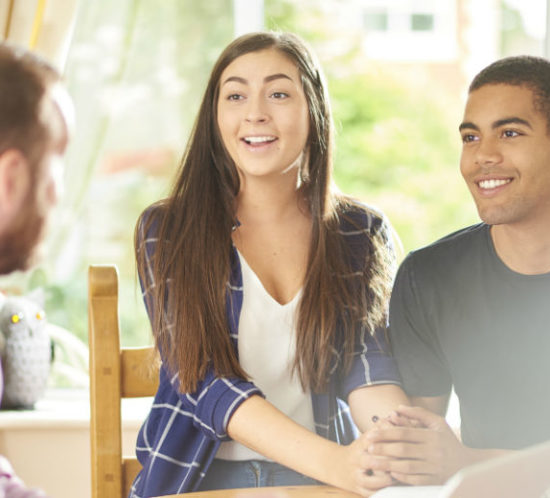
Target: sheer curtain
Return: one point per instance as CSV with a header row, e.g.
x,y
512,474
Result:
x,y
136,70
45,26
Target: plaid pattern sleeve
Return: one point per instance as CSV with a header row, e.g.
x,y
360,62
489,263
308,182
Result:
x,y
182,432
373,363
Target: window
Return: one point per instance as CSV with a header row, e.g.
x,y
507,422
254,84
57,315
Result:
x,y
137,70
422,22
412,31
376,21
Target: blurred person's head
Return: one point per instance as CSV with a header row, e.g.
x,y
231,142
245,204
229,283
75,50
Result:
x,y
35,120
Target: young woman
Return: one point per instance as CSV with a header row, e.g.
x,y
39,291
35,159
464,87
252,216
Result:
x,y
267,292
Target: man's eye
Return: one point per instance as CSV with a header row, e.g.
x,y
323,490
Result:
x,y
468,138
510,133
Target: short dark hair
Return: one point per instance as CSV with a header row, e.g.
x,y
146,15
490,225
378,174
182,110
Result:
x,y
25,79
523,70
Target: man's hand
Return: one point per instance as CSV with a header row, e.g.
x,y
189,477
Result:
x,y
420,448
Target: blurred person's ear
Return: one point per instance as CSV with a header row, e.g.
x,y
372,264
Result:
x,y
15,181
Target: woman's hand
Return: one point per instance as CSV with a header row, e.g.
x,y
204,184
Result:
x,y
353,469
260,426
419,446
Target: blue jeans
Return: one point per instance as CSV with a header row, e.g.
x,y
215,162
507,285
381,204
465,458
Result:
x,y
228,474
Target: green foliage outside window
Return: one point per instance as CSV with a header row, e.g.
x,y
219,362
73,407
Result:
x,y
397,141
396,149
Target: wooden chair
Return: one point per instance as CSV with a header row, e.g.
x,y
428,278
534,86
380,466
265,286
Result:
x,y
115,373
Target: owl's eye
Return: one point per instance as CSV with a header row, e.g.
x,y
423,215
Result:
x,y
16,317
40,315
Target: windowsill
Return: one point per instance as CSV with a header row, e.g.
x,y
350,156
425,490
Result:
x,y
69,408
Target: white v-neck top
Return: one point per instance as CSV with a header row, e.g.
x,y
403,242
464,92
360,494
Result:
x,y
266,343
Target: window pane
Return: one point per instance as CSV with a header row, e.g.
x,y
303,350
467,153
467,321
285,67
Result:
x,y
376,21
422,22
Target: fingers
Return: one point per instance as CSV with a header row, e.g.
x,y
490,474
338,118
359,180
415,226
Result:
x,y
393,433
421,415
405,466
397,450
416,479
366,480
370,482
406,463
396,419
409,446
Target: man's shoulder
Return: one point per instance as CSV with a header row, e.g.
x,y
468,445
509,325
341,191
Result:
x,y
451,249
454,241
464,236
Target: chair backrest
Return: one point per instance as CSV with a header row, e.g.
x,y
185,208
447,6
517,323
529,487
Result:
x,y
115,373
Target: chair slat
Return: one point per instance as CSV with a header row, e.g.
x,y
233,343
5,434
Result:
x,y
139,372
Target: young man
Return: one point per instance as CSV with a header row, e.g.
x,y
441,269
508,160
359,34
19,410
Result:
x,y
36,116
472,310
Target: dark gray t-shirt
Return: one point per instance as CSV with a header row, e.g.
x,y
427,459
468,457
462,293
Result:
x,y
460,317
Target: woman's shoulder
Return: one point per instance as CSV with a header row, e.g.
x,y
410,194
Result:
x,y
356,216
153,213
150,219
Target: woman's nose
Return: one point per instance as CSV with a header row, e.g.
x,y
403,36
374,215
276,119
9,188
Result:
x,y
256,111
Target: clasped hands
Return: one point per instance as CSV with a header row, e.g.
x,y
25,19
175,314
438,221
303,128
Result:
x,y
411,446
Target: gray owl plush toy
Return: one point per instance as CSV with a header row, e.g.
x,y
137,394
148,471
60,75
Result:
x,y
25,350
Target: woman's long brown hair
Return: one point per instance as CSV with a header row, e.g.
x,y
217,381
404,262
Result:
x,y
191,264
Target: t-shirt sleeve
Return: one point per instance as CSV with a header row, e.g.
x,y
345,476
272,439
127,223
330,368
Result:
x,y
415,343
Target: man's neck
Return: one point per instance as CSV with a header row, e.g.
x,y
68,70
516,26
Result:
x,y
523,249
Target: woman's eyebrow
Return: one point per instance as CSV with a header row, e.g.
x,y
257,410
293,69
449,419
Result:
x,y
235,78
267,79
277,76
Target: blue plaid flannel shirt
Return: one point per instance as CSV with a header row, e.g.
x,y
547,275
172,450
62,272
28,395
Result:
x,y
182,432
